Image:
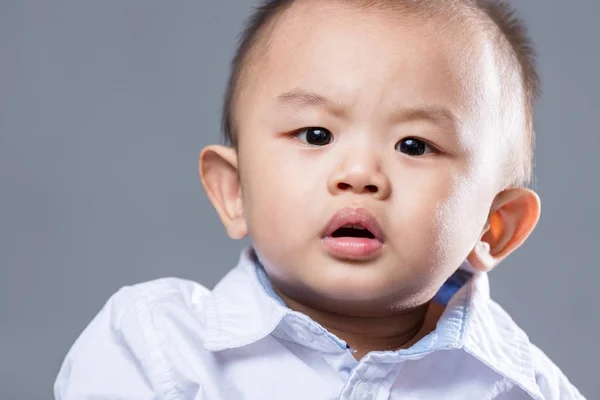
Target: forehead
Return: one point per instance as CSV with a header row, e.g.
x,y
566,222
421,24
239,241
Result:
x,y
372,56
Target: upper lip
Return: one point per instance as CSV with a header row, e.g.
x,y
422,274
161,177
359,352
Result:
x,y
349,215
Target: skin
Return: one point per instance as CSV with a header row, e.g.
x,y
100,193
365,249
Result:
x,y
435,210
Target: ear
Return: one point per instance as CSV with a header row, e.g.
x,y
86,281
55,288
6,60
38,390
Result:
x,y
219,175
513,216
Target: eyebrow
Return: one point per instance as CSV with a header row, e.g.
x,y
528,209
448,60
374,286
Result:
x,y
299,99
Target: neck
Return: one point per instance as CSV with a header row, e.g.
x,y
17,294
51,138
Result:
x,y
396,331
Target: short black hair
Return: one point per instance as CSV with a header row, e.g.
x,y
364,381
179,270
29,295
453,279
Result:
x,y
509,33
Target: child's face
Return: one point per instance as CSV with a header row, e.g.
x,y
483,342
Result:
x,y
387,79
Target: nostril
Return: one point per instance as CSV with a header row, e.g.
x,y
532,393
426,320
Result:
x,y
370,188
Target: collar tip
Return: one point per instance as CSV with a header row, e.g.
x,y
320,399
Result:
x,y
211,347
214,344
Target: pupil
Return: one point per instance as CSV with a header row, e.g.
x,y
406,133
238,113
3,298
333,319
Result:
x,y
413,147
318,136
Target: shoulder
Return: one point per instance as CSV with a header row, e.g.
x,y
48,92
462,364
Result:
x,y
552,382
147,295
133,310
139,311
121,353
164,295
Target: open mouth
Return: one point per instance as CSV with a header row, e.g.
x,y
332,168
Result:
x,y
353,234
353,223
353,230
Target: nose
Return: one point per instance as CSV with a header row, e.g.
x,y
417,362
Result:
x,y
360,174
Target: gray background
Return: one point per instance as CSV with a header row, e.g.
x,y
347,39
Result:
x,y
104,107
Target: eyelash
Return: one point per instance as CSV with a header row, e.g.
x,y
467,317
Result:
x,y
430,149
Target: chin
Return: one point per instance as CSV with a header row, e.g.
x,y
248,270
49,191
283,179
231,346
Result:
x,y
345,281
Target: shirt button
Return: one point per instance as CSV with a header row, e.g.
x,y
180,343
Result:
x,y
302,333
363,391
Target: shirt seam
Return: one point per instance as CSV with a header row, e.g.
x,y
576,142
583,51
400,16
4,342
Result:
x,y
143,313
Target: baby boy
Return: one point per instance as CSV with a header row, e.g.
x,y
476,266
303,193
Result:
x,y
378,158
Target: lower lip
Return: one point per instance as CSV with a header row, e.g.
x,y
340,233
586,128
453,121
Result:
x,y
352,248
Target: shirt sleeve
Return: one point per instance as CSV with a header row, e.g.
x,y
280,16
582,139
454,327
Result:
x,y
117,356
553,384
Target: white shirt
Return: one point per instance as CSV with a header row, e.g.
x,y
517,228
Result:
x,y
174,339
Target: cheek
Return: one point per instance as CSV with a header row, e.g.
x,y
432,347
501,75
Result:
x,y
459,220
276,198
438,215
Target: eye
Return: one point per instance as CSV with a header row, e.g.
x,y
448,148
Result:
x,y
414,147
315,136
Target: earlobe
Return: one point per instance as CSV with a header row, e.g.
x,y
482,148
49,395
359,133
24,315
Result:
x,y
513,216
218,171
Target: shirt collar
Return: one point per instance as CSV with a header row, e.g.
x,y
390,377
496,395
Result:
x,y
491,336
241,310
